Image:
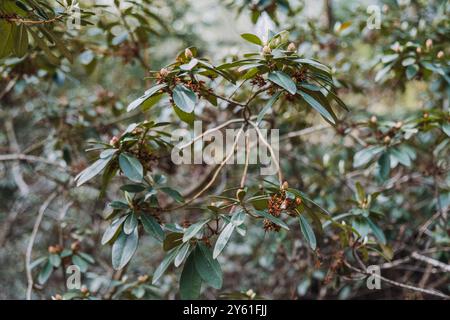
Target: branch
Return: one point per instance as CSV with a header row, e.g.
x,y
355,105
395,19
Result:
x,y
29,158
32,240
398,284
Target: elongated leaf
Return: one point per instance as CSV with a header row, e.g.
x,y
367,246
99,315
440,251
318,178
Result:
x,y
174,194
379,234
91,171
130,224
190,281
184,98
152,227
55,260
364,156
384,165
148,94
45,273
252,38
193,230
131,167
184,249
124,248
20,40
80,262
207,267
165,264
267,107
270,217
6,39
283,80
184,116
190,65
308,232
172,240
316,105
238,218
113,229
222,240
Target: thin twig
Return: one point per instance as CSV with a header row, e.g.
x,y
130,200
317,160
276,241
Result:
x,y
31,242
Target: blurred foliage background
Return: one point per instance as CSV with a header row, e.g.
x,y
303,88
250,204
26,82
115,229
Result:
x,y
387,157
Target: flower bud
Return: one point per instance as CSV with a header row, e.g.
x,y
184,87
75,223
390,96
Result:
x,y
298,201
84,289
114,140
373,119
163,72
57,297
188,53
398,124
387,139
292,47
266,50
143,278
429,43
285,186
440,54
75,246
240,194
419,50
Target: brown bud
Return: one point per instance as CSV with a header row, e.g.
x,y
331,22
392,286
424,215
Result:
x,y
266,50
163,72
84,289
440,54
292,47
387,139
52,249
426,115
143,278
429,43
240,194
75,246
385,8
298,201
419,50
57,297
188,53
398,124
114,140
285,186
373,119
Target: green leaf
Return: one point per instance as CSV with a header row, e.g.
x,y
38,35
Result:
x,y
411,71
152,227
80,262
91,171
20,40
45,273
283,80
222,240
86,257
124,248
190,280
172,240
252,38
131,167
307,232
384,165
184,249
133,188
193,230
238,218
316,105
401,156
190,65
365,155
207,267
55,260
446,128
6,40
379,234
130,224
184,116
270,217
112,230
165,264
41,44
267,107
174,194
148,94
184,98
